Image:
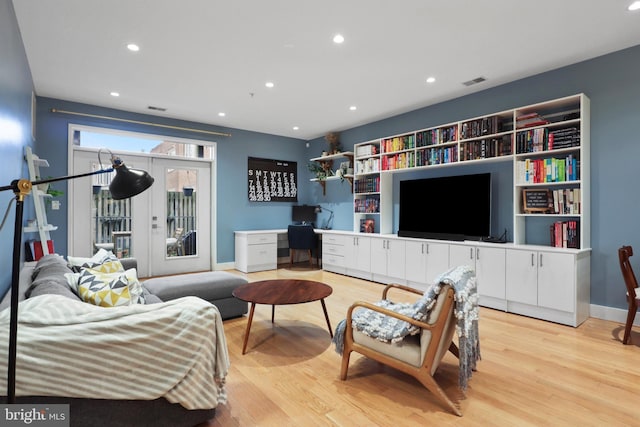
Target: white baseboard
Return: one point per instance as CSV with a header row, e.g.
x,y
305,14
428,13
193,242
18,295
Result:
x,y
609,313
224,266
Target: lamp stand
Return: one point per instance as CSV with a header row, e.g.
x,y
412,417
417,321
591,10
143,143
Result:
x,y
20,188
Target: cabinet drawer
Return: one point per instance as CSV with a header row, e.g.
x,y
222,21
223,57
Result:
x,y
262,238
262,254
332,259
329,249
332,239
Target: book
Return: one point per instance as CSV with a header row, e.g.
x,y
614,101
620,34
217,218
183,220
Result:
x,y
367,225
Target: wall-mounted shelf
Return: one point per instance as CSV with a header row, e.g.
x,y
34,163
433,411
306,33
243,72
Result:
x,y
327,164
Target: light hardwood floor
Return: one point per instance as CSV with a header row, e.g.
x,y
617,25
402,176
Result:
x,y
532,372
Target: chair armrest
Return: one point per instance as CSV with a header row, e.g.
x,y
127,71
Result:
x,y
401,287
384,311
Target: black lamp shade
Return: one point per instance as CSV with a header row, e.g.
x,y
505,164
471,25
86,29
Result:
x,y
129,182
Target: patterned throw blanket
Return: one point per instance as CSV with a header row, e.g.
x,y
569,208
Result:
x,y
176,350
392,330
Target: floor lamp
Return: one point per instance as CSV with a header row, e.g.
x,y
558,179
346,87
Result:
x,y
127,183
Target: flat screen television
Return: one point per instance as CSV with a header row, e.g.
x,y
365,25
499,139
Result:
x,y
448,208
304,214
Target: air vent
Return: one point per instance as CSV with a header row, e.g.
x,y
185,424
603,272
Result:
x,y
151,107
474,81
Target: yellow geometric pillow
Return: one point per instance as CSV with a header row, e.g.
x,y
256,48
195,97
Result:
x,y
110,289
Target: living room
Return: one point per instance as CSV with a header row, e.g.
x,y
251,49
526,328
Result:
x,y
609,81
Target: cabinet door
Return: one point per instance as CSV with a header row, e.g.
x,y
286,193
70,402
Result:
x,y
416,261
462,255
358,253
490,271
379,256
395,258
437,260
522,276
556,281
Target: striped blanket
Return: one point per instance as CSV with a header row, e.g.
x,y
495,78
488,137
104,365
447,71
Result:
x,y
176,350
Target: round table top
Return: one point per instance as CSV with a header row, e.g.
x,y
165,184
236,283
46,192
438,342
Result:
x,y
282,291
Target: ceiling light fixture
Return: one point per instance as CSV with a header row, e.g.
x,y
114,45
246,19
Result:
x,y
431,79
634,6
269,84
338,38
296,128
353,108
116,94
133,47
221,114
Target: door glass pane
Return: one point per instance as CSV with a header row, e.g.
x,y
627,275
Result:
x,y
182,196
111,219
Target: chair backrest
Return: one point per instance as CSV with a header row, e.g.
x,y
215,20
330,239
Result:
x,y
445,333
177,234
624,254
302,237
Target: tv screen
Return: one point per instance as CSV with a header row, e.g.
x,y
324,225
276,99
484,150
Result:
x,y
303,214
450,208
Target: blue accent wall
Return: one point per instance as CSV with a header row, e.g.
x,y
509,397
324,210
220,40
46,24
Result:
x,y
610,81
234,212
15,127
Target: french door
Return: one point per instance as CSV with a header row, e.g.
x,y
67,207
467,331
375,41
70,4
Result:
x,y
167,228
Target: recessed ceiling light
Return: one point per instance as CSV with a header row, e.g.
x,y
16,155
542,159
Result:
x,y
431,79
133,47
296,128
114,94
338,38
353,108
634,6
222,114
269,84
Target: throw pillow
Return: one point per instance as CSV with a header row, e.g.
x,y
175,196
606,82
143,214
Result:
x,y
101,257
110,289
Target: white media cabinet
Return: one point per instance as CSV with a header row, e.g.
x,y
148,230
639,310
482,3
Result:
x,y
537,281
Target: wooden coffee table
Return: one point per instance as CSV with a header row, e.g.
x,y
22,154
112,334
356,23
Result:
x,y
281,292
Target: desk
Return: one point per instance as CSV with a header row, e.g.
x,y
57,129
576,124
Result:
x,y
257,250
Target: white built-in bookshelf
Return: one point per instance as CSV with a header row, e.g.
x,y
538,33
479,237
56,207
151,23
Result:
x,y
547,143
547,146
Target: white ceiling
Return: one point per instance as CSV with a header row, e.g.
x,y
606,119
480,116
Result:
x,y
200,57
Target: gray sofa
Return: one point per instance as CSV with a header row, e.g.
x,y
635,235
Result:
x,y
47,277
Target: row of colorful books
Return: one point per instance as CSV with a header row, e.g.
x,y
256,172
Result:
x,y
367,205
437,156
369,184
565,234
481,127
398,143
534,171
485,148
437,136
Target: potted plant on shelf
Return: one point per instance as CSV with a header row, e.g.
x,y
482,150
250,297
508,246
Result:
x,y
319,170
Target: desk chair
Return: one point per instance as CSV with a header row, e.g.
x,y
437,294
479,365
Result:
x,y
174,243
302,237
624,253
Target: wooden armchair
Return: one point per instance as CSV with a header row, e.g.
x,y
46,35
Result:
x,y
417,355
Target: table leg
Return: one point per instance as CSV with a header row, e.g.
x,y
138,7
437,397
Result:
x,y
326,316
246,332
273,312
